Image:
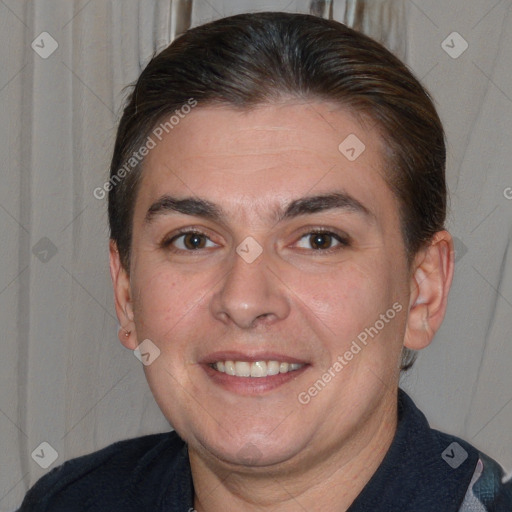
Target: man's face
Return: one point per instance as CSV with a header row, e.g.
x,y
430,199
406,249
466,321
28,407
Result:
x,y
270,273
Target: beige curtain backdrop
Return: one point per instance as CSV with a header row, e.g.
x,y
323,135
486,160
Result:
x,y
65,379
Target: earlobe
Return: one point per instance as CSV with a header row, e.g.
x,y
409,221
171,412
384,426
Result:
x,y
430,285
122,299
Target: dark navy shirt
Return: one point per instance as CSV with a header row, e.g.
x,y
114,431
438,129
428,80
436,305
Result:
x,y
424,470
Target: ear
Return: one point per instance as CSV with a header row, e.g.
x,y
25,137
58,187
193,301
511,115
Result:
x,y
122,298
430,283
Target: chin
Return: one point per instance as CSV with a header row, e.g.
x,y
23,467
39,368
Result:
x,y
250,450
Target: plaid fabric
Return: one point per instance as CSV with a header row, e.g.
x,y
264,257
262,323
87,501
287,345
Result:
x,y
490,490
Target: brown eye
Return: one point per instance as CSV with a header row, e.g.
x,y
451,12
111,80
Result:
x,y
194,241
190,241
321,241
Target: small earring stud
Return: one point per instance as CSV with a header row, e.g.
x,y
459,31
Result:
x,y
126,333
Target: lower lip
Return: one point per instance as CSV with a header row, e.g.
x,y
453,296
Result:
x,y
251,385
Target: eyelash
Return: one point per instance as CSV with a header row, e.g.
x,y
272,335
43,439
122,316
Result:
x,y
343,241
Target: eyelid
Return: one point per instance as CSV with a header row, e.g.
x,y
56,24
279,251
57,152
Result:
x,y
169,239
343,240
341,237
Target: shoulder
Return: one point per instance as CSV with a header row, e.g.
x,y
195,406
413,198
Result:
x,y
444,464
455,474
490,489
105,475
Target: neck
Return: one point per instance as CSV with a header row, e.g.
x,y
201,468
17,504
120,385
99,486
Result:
x,y
332,478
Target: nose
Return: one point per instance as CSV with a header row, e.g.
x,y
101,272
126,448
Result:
x,y
250,294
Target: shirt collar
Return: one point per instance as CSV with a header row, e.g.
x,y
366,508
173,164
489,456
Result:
x,y
423,470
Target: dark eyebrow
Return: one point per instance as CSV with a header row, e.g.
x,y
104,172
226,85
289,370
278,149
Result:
x,y
323,202
303,206
187,206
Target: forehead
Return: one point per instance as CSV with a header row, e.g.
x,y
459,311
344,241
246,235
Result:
x,y
252,161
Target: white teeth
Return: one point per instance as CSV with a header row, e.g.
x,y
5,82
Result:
x,y
255,369
242,369
229,368
272,368
259,369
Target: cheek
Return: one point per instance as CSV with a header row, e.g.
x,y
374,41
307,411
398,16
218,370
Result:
x,y
345,300
160,299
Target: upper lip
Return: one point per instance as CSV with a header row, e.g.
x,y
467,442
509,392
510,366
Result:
x,y
251,357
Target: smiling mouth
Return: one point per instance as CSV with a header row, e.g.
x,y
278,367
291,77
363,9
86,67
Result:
x,y
255,369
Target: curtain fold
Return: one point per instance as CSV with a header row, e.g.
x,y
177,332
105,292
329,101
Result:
x,y
63,76
383,20
64,67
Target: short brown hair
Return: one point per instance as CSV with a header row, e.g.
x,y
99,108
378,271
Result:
x,y
251,59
